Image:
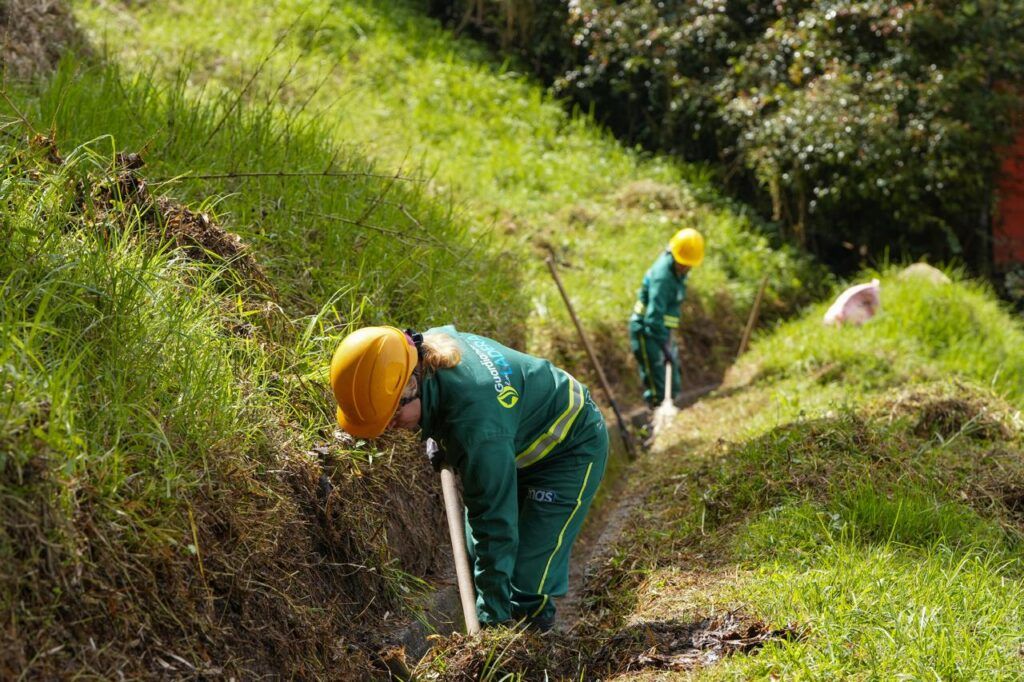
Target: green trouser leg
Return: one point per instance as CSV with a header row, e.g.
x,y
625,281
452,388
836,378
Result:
x,y
651,360
554,498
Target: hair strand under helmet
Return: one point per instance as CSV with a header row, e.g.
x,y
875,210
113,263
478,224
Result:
x,y
687,247
369,370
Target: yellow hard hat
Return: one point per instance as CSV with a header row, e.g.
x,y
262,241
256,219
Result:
x,y
369,371
687,247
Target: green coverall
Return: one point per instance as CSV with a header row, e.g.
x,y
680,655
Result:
x,y
530,447
655,315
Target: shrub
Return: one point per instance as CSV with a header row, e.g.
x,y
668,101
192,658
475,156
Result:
x,y
870,124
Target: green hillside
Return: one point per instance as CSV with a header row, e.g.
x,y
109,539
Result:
x,y
383,78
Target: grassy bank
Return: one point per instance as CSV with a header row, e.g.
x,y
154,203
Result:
x,y
169,480
866,489
390,81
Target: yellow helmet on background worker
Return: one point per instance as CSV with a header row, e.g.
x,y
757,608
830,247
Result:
x,y
687,247
369,371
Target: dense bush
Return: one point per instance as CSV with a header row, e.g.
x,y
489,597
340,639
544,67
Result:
x,y
860,126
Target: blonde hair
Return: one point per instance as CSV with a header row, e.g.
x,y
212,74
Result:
x,y
440,351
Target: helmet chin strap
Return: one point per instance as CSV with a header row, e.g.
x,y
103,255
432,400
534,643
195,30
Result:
x,y
416,339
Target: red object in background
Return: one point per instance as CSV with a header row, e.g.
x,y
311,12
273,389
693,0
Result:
x,y
1008,227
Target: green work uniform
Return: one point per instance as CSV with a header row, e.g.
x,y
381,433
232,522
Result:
x,y
655,315
530,447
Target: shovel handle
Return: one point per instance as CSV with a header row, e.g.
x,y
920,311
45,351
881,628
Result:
x,y
453,510
667,400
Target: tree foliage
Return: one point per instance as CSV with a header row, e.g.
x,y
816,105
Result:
x,y
859,126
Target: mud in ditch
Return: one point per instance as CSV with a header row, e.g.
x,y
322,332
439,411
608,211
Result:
x,y
597,654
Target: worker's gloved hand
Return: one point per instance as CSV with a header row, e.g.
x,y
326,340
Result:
x,y
435,454
667,350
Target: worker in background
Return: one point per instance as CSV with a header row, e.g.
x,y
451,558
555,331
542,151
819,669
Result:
x,y
656,313
526,439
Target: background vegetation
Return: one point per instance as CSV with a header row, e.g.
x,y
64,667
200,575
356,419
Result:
x,y
864,128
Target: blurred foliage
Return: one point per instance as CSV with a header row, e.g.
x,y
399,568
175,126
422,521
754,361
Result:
x,y
863,127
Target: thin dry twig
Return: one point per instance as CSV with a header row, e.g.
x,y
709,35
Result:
x,y
252,79
17,111
286,174
400,236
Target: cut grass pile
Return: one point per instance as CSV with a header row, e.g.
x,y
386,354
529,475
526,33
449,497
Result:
x,y
386,78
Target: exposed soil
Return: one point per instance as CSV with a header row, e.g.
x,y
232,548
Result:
x,y
33,36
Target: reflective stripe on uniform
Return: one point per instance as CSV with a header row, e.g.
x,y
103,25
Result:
x,y
561,535
543,603
647,363
671,321
556,433
639,308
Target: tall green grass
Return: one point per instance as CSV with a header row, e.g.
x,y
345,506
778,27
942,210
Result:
x,y
118,372
371,246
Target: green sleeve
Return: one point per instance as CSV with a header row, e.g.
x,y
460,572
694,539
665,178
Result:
x,y
492,504
661,300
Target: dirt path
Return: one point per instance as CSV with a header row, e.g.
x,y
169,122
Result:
x,y
590,550
604,526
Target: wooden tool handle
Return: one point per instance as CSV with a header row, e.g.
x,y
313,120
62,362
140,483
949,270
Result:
x,y
453,510
668,383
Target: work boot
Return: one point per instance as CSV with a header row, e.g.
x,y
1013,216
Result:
x,y
542,623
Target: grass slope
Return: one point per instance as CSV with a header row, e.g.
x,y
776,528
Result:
x,y
172,497
385,78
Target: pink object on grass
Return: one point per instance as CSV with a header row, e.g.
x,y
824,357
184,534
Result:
x,y
856,305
